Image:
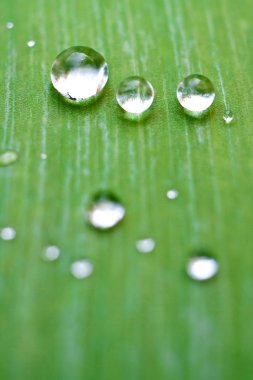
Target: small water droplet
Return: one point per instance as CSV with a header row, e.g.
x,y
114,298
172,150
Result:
x,y
81,269
135,96
8,157
8,233
202,268
79,74
196,94
228,117
172,194
51,253
10,25
43,156
105,211
31,43
145,245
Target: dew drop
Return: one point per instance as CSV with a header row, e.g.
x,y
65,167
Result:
x,y
8,233
202,268
135,96
145,245
196,94
8,157
51,253
105,211
228,117
79,74
172,194
43,156
10,25
31,43
81,269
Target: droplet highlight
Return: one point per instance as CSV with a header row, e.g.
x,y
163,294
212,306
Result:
x,y
202,268
31,43
79,74
135,96
105,211
228,117
9,25
51,253
43,156
172,194
8,158
81,269
8,233
196,94
145,245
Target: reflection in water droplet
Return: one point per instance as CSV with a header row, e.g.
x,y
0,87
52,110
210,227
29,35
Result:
x,y
79,74
43,156
228,117
31,43
145,245
8,157
81,269
135,96
196,94
201,268
8,233
105,211
51,253
172,194
10,25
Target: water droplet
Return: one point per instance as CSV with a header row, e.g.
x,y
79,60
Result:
x,y
10,25
8,233
43,156
31,43
196,94
228,117
79,74
8,157
145,245
172,194
81,269
105,211
51,253
201,268
135,96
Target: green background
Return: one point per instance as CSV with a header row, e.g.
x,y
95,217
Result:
x,y
137,317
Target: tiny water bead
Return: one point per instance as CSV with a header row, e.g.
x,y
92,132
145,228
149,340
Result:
x,y
31,43
172,194
79,74
196,94
8,233
43,156
105,211
81,269
135,96
51,253
228,117
8,157
145,245
202,268
9,25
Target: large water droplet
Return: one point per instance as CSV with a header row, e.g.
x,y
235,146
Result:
x,y
196,94
172,194
79,74
135,96
105,211
145,245
10,25
8,233
8,157
81,269
51,253
228,117
202,268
